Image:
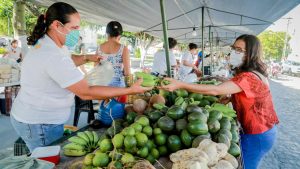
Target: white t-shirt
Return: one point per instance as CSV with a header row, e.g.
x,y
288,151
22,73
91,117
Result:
x,y
159,62
14,53
46,72
187,56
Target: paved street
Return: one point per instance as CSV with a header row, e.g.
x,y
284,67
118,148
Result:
x,y
286,152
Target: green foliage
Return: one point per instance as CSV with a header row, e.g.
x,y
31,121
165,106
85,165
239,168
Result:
x,y
2,50
273,44
6,10
137,53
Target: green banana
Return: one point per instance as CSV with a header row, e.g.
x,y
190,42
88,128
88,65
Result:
x,y
95,138
78,140
91,137
148,83
83,136
74,146
74,153
179,101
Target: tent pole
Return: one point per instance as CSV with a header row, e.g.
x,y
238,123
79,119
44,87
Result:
x,y
211,46
210,50
202,40
166,43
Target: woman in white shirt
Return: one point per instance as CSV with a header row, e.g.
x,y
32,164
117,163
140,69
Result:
x,y
188,62
14,52
50,78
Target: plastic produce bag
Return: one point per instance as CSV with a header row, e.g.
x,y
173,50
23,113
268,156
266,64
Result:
x,y
101,74
24,162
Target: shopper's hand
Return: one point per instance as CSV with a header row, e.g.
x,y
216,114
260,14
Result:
x,y
136,87
224,99
174,84
94,58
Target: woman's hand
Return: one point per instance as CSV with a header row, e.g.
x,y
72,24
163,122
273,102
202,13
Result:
x,y
174,84
136,87
94,58
224,99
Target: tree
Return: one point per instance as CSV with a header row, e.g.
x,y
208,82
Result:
x,y
273,44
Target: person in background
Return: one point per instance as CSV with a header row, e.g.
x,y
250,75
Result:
x,y
80,50
50,78
14,51
159,61
250,96
116,53
187,61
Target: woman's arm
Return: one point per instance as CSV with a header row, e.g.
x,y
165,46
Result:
x,y
86,92
227,87
126,61
186,63
82,59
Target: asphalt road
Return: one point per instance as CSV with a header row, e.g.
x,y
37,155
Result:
x,y
286,151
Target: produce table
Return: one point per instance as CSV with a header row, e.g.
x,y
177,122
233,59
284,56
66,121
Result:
x,y
76,162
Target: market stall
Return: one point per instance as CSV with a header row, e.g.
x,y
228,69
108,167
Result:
x,y
161,129
9,82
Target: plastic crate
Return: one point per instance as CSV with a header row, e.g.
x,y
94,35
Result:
x,y
20,147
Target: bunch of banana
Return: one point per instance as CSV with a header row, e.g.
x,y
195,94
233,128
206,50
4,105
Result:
x,y
148,79
81,144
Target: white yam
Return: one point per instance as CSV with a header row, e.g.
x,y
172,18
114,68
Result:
x,y
223,164
204,143
185,154
222,150
232,160
211,151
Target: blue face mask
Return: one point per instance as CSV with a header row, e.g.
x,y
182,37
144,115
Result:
x,y
71,38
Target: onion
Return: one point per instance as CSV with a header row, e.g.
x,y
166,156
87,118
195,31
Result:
x,y
139,106
157,99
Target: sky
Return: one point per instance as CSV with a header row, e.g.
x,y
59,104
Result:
x,y
293,30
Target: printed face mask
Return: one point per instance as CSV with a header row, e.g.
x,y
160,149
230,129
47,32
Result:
x,y
71,38
236,59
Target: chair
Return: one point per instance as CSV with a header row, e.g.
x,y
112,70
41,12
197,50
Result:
x,y
84,106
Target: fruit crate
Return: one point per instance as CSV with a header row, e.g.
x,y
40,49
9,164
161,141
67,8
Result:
x,y
20,147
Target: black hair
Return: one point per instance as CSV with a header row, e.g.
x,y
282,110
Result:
x,y
192,46
114,29
253,54
58,11
14,41
172,42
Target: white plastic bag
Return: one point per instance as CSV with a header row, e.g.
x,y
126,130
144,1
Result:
x,y
101,74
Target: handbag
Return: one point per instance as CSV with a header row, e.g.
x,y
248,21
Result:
x,y
111,111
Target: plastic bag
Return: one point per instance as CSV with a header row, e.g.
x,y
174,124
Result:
x,y
101,74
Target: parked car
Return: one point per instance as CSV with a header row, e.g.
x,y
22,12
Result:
x,y
291,67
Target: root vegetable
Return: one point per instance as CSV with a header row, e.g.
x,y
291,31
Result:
x,y
139,106
222,164
157,99
232,160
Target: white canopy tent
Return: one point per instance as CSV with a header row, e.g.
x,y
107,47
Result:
x,y
227,18
219,21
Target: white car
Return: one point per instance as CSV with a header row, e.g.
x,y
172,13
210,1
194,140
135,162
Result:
x,y
291,67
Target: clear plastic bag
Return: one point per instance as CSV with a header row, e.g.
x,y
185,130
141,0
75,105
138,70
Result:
x,y
101,74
